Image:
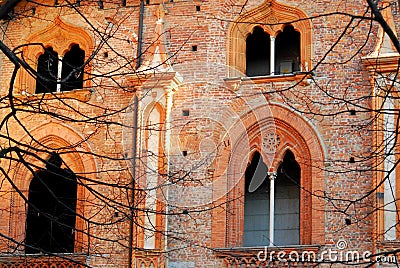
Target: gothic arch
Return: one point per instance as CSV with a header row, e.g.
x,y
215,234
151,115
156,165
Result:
x,y
298,135
276,14
61,37
152,109
75,153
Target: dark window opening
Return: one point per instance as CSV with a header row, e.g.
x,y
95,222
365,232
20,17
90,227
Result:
x,y
256,203
72,69
287,48
47,71
287,202
258,53
51,216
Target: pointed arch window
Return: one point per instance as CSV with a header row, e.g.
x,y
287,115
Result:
x,y
269,55
272,203
258,53
47,68
72,66
287,47
287,202
57,73
256,203
51,217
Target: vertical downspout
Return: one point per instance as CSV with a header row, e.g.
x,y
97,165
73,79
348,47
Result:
x,y
134,151
134,138
170,93
140,35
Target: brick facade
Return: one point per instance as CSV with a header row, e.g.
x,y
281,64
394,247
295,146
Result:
x,y
204,118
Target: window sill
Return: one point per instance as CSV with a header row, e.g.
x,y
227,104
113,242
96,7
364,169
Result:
x,y
388,244
82,95
75,260
302,78
256,255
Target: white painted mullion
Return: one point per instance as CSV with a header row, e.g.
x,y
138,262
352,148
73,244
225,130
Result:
x,y
272,56
59,72
272,177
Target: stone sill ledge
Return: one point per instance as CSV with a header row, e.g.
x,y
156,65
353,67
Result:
x,y
70,260
82,95
267,256
252,251
148,252
300,77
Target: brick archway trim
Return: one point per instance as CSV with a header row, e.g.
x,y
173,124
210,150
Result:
x,y
298,135
76,154
60,36
272,17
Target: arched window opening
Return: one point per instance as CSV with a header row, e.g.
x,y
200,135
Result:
x,y
47,69
258,53
72,69
256,203
287,202
51,216
287,54
60,73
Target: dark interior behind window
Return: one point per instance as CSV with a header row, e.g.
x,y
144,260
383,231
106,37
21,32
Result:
x,y
47,71
258,53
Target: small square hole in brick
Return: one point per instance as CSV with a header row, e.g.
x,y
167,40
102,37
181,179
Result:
x,y
105,54
197,8
194,48
352,160
352,112
184,153
185,112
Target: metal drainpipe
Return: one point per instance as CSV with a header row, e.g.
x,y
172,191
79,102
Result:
x,y
140,35
134,138
134,151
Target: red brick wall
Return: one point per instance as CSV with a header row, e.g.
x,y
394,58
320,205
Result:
x,y
322,144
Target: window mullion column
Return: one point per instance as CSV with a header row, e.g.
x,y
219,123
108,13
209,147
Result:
x,y
272,177
59,72
272,56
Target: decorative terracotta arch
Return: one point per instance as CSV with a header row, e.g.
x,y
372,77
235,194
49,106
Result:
x,y
272,17
300,137
75,152
61,37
